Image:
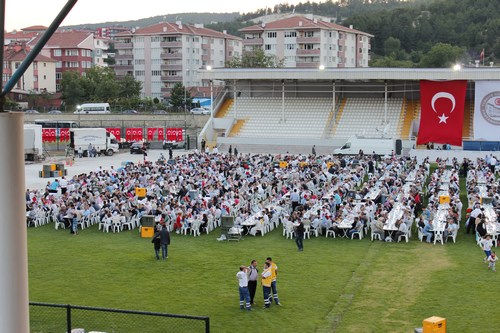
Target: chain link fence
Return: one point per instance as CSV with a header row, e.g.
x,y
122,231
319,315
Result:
x,y
60,318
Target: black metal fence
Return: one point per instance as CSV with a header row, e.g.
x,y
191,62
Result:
x,y
60,318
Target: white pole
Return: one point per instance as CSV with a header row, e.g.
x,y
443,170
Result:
x,y
14,310
211,99
234,95
333,102
385,105
283,99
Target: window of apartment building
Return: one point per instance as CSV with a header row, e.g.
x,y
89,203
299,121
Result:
x,y
269,47
271,34
221,42
196,39
155,39
58,75
59,64
290,33
331,59
309,34
139,61
352,60
205,40
16,65
211,40
71,64
156,61
35,65
57,52
5,77
236,43
308,46
172,73
333,34
155,73
212,52
140,73
340,48
341,35
289,46
139,39
71,53
187,38
58,87
360,50
139,51
35,78
332,47
221,53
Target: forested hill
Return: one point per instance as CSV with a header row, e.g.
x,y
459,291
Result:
x,y
472,25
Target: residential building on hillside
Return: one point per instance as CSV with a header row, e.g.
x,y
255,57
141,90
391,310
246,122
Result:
x,y
72,50
24,35
40,75
163,54
307,42
100,54
110,32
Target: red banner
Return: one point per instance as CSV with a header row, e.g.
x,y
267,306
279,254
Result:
x,y
442,115
179,135
174,134
151,133
133,134
64,134
48,134
116,131
161,134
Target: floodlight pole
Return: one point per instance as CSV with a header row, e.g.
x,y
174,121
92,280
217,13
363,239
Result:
x,y
14,303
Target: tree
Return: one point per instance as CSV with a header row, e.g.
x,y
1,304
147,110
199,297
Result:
x,y
73,91
179,94
392,46
256,58
442,55
129,87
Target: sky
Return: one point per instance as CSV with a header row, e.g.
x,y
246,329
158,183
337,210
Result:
x,y
24,13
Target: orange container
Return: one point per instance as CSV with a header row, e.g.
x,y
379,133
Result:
x,y
147,232
140,192
434,325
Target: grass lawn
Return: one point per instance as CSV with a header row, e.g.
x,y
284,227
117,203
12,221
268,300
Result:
x,y
335,285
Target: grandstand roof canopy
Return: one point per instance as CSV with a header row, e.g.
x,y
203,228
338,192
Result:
x,y
470,74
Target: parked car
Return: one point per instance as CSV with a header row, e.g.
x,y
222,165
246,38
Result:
x,y
199,111
31,111
129,112
137,148
160,112
54,112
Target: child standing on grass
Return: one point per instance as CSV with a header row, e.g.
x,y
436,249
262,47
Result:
x,y
491,261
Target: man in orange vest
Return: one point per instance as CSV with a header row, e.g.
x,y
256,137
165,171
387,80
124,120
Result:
x,y
266,280
274,274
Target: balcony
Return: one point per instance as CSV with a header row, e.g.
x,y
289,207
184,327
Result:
x,y
170,44
165,90
177,55
205,46
253,41
123,67
124,56
171,78
308,40
165,67
308,52
124,46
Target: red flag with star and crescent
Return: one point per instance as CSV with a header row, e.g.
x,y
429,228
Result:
x,y
441,119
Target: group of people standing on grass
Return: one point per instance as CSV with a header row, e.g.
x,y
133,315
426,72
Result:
x,y
248,277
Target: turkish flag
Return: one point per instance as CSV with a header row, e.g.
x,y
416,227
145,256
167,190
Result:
x,y
179,134
442,112
161,134
116,131
46,134
138,133
151,133
170,134
128,135
64,134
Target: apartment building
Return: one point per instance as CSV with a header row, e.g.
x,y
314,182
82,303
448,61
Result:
x,y
100,54
308,42
72,50
166,53
40,75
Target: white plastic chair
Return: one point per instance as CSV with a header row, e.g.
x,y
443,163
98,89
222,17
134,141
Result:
x,y
405,235
438,237
359,233
330,232
453,235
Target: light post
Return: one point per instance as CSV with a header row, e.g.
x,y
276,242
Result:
x,y
209,68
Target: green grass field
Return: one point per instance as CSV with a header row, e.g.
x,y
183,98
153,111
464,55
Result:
x,y
335,285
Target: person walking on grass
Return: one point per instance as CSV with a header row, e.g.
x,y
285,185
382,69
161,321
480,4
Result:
x,y
266,280
299,236
157,245
274,275
486,245
242,277
164,241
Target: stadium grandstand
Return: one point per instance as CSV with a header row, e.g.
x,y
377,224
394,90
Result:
x,y
325,107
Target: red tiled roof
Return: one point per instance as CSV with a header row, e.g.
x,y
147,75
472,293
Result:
x,y
187,29
19,53
299,22
20,35
65,39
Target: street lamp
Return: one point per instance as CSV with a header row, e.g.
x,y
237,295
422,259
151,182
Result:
x,y
209,68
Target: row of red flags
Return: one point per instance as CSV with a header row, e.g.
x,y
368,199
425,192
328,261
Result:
x,y
131,134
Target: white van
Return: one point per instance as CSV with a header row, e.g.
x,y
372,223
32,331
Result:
x,y
380,146
93,108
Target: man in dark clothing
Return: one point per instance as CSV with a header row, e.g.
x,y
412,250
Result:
x,y
299,232
252,279
164,236
157,244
